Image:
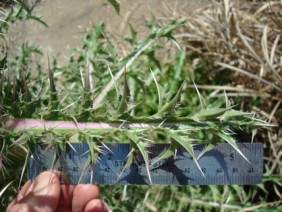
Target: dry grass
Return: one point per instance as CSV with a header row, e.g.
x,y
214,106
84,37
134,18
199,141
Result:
x,y
241,40
244,37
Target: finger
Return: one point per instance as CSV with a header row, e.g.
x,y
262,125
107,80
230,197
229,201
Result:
x,y
21,194
62,208
96,205
82,194
66,195
42,195
24,190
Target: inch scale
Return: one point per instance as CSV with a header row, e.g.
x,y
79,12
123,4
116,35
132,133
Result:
x,y
221,166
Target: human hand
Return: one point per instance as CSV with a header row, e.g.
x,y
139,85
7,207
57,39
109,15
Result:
x,y
46,194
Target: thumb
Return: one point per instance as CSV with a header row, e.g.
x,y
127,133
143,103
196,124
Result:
x,y
42,195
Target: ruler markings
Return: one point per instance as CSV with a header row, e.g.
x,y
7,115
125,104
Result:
x,y
220,166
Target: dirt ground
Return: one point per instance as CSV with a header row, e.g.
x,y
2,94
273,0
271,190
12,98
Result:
x,y
67,20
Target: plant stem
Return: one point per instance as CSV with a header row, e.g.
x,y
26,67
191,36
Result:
x,y
40,124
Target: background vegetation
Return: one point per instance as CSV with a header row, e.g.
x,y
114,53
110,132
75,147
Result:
x,y
230,51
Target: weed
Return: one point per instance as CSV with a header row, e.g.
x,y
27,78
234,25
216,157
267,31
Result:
x,y
78,103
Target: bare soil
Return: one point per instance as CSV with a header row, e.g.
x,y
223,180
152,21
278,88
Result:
x,y
67,20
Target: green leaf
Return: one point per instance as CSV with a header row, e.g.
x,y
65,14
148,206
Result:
x,y
87,102
27,94
229,139
94,152
15,85
93,156
25,166
74,138
38,19
115,4
87,164
129,161
150,53
123,104
168,152
168,107
209,114
161,92
187,145
208,148
141,147
180,65
24,6
233,114
201,98
87,86
51,81
133,39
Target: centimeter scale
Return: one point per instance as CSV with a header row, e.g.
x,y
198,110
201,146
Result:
x,y
221,166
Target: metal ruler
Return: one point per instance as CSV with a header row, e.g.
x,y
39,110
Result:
x,y
221,166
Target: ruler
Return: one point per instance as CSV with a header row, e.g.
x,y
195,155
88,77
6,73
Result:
x,y
221,166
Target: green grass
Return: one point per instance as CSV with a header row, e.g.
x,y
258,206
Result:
x,y
98,85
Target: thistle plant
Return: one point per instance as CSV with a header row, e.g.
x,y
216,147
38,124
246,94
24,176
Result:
x,y
78,104
25,120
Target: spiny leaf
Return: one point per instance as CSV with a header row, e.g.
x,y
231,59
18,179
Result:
x,y
187,145
208,114
74,138
201,98
93,156
27,94
24,6
168,152
87,88
168,107
94,151
129,161
151,54
24,166
87,79
180,64
167,32
260,123
141,147
115,4
87,164
160,90
208,148
54,161
254,132
229,139
140,48
233,114
53,91
133,39
123,104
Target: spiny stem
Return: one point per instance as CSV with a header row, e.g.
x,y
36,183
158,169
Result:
x,y
39,124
